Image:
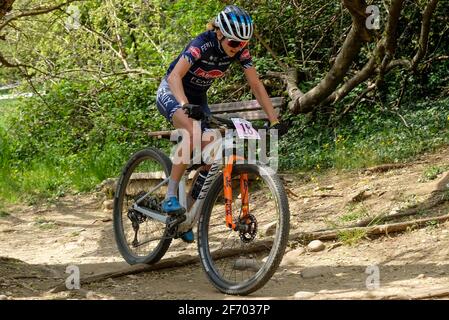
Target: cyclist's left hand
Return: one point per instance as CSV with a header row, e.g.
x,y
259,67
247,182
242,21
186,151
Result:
x,y
282,128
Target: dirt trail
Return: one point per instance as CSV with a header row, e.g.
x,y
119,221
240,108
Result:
x,y
37,243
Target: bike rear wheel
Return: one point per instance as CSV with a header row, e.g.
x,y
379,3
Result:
x,y
241,262
149,243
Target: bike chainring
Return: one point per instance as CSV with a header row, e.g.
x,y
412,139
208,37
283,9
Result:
x,y
248,228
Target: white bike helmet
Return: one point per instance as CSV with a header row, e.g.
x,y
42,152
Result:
x,y
235,23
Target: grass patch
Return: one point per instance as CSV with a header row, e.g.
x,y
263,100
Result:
x,y
355,214
44,224
351,237
433,224
431,173
4,214
7,107
445,195
40,181
48,179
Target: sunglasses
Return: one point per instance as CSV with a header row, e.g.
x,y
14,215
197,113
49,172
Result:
x,y
236,44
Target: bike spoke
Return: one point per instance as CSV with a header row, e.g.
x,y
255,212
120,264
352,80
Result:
x,y
145,184
243,266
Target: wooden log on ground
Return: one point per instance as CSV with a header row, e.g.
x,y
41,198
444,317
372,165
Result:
x,y
420,295
436,199
369,231
385,168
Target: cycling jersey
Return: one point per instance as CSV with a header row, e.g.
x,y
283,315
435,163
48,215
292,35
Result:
x,y
208,61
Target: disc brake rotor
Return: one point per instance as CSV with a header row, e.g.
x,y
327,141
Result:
x,y
248,228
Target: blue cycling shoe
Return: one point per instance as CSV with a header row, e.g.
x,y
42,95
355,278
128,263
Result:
x,y
188,236
172,206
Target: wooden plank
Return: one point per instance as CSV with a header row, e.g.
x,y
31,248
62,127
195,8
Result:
x,y
167,134
250,110
248,115
243,105
160,133
155,175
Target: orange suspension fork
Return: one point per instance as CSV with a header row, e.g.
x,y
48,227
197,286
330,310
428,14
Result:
x,y
244,192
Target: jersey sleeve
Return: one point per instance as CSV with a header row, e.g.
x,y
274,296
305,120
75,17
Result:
x,y
244,57
193,51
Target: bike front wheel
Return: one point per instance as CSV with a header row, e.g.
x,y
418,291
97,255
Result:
x,y
242,259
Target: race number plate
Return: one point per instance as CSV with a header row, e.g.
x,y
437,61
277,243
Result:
x,y
245,129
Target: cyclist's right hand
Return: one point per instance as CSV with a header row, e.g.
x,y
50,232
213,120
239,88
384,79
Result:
x,y
193,111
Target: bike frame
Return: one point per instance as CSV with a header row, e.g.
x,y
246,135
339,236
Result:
x,y
193,214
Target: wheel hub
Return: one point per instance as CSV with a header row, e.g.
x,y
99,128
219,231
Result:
x,y
248,228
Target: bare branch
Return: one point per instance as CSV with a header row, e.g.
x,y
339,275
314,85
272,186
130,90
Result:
x,y
370,88
424,36
34,12
437,58
398,63
121,51
275,56
360,77
5,7
326,30
391,30
18,64
291,80
349,51
6,63
384,52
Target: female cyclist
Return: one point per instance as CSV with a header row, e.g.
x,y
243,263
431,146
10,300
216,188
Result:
x,y
181,96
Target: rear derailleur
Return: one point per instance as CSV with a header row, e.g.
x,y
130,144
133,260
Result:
x,y
137,218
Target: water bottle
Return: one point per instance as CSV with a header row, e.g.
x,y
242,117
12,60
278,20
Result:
x,y
199,184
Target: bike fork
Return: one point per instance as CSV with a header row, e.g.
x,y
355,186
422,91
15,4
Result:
x,y
244,193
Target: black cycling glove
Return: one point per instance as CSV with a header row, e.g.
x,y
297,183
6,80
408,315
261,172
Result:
x,y
282,128
193,111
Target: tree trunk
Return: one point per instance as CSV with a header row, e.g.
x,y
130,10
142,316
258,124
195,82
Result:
x,y
5,7
356,37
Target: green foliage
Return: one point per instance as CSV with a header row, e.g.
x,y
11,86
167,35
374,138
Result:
x,y
365,137
431,173
92,114
75,139
3,213
351,237
354,214
44,224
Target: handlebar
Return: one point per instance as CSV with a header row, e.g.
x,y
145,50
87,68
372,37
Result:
x,y
196,112
217,121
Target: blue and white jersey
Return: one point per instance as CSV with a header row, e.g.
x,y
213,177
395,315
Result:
x,y
208,61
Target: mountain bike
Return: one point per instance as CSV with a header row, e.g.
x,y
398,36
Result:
x,y
241,213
